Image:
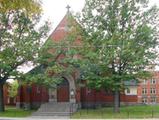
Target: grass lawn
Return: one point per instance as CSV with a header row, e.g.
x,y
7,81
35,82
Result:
x,y
125,112
13,112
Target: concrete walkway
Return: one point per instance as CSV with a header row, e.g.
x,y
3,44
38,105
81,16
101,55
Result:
x,y
42,118
5,118
47,117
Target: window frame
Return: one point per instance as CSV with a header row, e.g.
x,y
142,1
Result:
x,y
144,100
152,90
144,91
153,81
153,99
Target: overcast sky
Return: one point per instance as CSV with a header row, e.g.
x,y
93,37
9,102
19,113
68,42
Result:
x,y
54,10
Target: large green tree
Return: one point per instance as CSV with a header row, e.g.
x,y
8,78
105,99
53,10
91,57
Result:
x,y
20,37
119,45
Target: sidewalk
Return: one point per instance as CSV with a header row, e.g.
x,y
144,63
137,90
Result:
x,y
55,118
35,118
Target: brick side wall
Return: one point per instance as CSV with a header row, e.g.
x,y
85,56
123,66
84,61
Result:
x,y
5,93
88,95
32,95
147,84
39,94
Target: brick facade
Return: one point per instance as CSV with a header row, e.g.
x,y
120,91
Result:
x,y
91,97
32,96
148,90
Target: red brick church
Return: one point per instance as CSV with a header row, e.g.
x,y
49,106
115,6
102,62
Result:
x,y
33,96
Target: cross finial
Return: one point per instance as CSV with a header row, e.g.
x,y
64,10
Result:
x,y
68,8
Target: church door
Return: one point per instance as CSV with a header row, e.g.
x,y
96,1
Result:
x,y
63,91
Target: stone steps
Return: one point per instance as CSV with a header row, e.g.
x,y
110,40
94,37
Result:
x,y
51,114
55,109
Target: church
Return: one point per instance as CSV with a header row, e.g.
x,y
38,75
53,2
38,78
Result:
x,y
68,91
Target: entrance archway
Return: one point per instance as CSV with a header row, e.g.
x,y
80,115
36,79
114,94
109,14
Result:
x,y
63,91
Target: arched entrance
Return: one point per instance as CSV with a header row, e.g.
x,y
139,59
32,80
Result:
x,y
63,91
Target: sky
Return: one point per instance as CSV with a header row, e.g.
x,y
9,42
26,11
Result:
x,y
55,10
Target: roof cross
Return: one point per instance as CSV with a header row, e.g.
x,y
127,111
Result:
x,y
68,8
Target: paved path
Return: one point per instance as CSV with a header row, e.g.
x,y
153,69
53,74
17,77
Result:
x,y
42,118
48,117
5,118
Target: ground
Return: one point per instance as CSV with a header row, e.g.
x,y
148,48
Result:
x,y
13,112
125,112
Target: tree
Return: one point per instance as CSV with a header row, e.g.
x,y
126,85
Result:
x,y
13,89
20,38
119,44
56,59
30,6
48,70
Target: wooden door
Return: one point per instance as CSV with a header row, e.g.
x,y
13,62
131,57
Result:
x,y
63,92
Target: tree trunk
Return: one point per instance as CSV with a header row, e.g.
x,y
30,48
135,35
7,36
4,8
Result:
x,y
1,98
116,101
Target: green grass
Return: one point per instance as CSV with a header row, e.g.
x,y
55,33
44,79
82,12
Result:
x,y
14,112
125,112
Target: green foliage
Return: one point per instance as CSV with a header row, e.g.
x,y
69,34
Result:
x,y
119,42
56,59
13,112
127,112
20,42
13,89
30,6
20,37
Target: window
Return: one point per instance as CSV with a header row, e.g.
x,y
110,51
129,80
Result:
x,y
127,91
144,90
144,100
153,81
153,100
144,81
152,90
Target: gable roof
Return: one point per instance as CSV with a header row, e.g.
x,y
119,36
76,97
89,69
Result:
x,y
60,33
63,27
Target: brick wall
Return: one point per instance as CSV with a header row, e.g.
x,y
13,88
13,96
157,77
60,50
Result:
x,y
145,90
89,96
32,96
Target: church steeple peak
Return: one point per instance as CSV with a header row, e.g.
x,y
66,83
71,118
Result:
x,y
68,8
65,26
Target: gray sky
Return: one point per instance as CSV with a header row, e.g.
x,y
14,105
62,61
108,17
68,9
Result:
x,y
54,10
